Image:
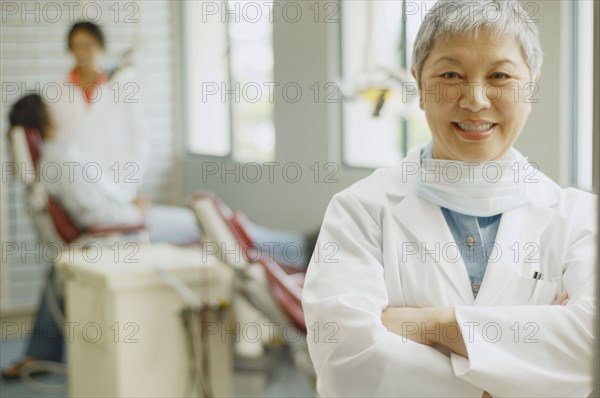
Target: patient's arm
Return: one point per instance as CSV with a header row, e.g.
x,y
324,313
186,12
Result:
x,y
91,198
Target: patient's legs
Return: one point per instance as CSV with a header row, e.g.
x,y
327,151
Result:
x,y
178,225
171,224
46,343
282,246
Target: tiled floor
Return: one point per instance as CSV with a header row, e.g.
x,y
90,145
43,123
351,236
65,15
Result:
x,y
283,380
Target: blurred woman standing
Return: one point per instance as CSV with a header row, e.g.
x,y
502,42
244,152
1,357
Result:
x,y
103,117
101,112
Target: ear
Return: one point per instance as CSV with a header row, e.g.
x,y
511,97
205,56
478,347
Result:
x,y
414,74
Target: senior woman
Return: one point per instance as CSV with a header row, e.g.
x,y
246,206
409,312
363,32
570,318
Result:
x,y
446,265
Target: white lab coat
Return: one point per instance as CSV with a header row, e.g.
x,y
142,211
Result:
x,y
110,131
90,198
365,261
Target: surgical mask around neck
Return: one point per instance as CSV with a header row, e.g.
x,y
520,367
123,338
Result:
x,y
475,189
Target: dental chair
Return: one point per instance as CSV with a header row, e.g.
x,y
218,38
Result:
x,y
51,222
286,281
53,226
273,288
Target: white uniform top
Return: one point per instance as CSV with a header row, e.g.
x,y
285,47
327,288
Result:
x,y
380,245
89,197
110,130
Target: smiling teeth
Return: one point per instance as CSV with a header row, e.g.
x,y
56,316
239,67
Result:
x,y
475,127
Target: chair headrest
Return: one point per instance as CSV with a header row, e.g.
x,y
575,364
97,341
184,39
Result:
x,y
26,148
34,141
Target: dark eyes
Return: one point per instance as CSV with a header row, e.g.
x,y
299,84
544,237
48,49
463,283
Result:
x,y
495,75
499,75
450,75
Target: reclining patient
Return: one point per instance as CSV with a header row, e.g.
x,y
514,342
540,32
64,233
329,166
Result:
x,y
89,196
93,199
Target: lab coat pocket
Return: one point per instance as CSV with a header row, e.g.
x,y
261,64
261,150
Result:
x,y
543,293
527,291
517,292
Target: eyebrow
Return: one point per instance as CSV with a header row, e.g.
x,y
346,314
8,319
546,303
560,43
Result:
x,y
447,59
456,61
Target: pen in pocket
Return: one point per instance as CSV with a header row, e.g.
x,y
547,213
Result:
x,y
536,276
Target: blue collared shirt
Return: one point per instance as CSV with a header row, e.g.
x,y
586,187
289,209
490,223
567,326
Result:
x,y
474,236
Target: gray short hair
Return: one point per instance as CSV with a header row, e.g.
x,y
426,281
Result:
x,y
506,17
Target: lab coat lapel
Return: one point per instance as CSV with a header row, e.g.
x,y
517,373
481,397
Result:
x,y
518,228
427,225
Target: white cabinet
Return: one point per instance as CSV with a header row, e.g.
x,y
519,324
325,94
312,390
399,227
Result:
x,y
123,329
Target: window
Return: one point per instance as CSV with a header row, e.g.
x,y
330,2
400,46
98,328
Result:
x,y
229,71
381,120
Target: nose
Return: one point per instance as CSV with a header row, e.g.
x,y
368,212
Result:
x,y
474,97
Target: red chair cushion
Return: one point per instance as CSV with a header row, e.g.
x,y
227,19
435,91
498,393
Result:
x,y
34,142
286,289
62,223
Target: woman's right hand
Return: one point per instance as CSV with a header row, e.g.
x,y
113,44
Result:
x,y
563,299
143,204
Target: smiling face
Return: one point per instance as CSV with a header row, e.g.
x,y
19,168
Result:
x,y
474,91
